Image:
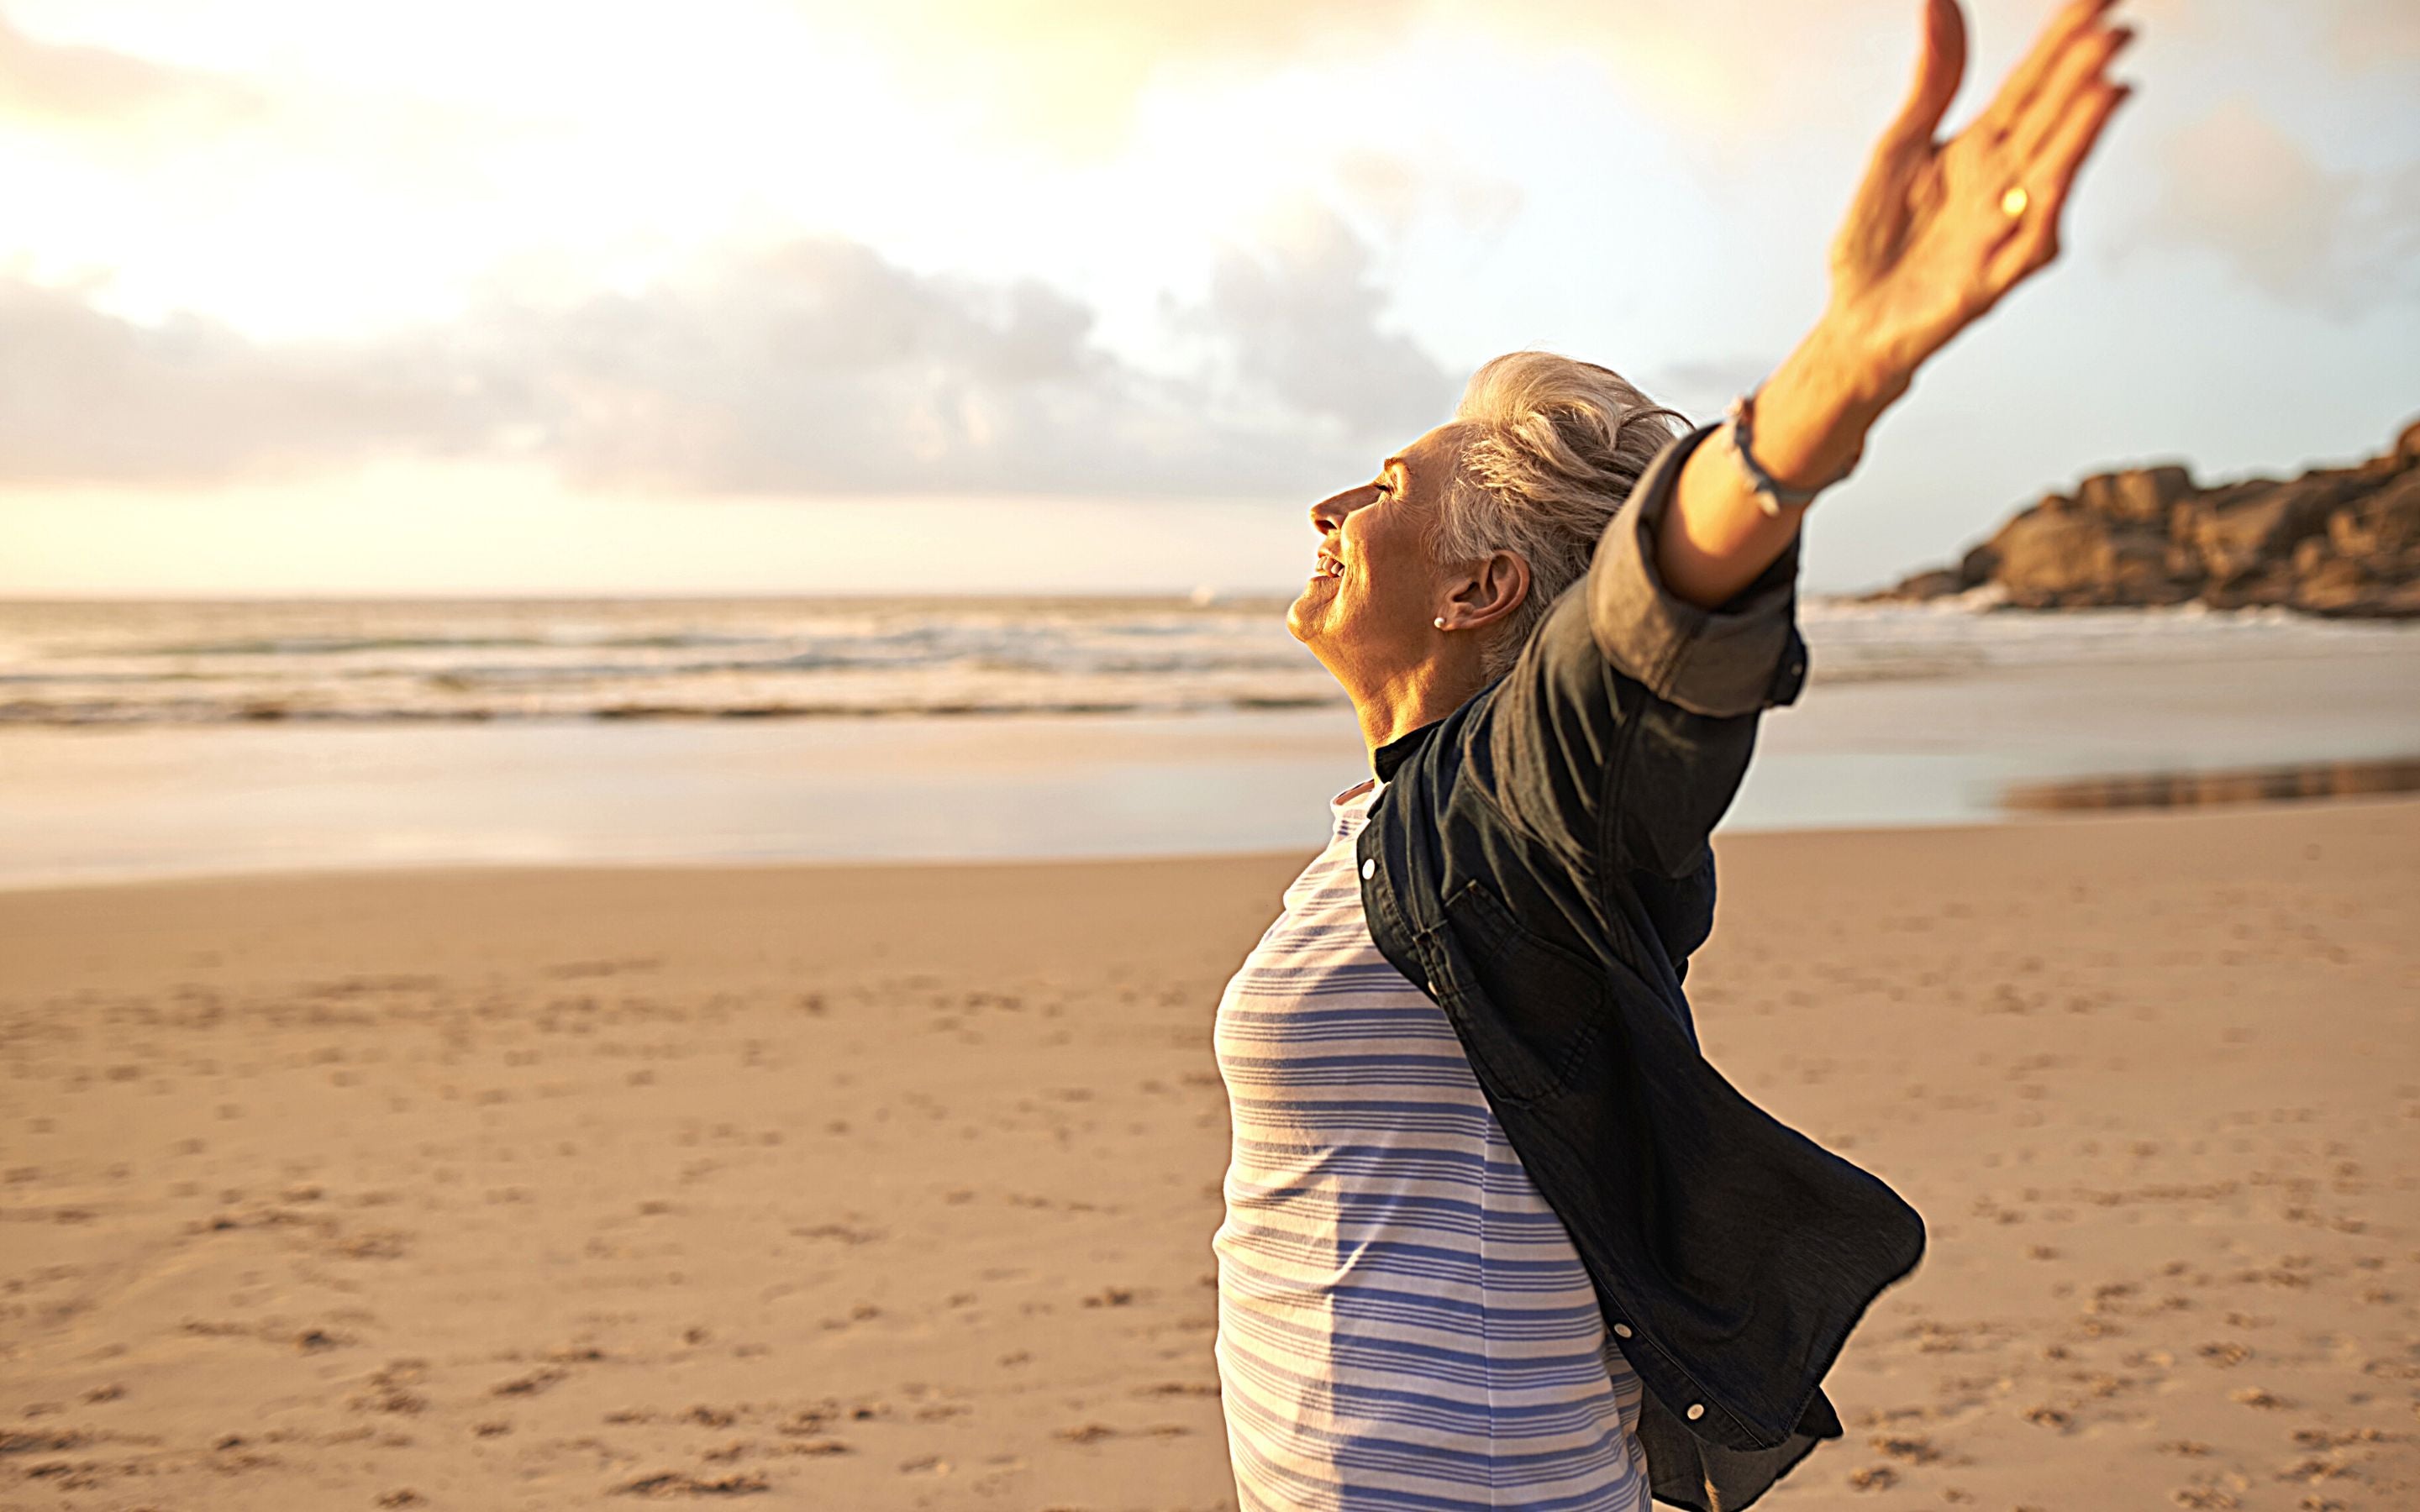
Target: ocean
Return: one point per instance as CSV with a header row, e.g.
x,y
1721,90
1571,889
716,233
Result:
x,y
144,738
395,661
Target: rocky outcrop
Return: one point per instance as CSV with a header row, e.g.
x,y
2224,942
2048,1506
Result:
x,y
2340,541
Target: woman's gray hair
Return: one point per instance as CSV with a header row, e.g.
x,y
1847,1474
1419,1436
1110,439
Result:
x,y
1553,450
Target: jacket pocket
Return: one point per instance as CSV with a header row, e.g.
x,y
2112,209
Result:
x,y
1526,1008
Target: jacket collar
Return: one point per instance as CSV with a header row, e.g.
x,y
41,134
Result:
x,y
1387,758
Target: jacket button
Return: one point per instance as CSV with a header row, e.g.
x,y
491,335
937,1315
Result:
x,y
1621,1331
1696,1411
1367,869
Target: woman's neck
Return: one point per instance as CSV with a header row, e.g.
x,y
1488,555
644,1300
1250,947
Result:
x,y
1391,708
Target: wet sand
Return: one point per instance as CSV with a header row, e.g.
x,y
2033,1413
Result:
x,y
891,1186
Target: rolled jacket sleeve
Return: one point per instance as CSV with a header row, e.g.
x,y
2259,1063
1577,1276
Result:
x,y
1737,658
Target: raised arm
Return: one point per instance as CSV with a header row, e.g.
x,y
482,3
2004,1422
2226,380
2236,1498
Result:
x,y
1938,233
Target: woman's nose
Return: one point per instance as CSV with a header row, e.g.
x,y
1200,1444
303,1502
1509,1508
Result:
x,y
1329,514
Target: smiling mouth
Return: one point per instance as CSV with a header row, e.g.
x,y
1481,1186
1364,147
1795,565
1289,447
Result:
x,y
1328,566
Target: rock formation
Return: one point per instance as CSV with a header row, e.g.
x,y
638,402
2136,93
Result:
x,y
2337,541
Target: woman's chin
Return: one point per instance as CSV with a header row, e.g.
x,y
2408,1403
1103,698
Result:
x,y
1313,614
1297,623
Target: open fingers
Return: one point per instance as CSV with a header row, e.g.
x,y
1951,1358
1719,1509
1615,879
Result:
x,y
2063,151
2025,80
2079,67
2051,175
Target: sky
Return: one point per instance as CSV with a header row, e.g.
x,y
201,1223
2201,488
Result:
x,y
805,295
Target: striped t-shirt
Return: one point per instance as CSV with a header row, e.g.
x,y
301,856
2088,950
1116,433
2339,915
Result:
x,y
1403,1322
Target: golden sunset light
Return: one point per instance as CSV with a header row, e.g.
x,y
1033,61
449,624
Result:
x,y
1411,755
1027,251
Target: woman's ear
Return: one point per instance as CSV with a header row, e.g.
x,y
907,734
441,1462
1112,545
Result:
x,y
1496,588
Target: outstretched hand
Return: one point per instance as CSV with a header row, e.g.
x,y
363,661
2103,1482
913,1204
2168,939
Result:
x,y
1940,231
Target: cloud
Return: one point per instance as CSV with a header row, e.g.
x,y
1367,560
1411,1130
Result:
x,y
1706,386
94,88
1398,192
815,366
819,367
1721,76
2371,34
1071,72
2355,37
1303,323
2237,185
1724,67
84,395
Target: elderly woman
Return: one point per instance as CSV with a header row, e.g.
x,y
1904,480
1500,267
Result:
x,y
1496,1234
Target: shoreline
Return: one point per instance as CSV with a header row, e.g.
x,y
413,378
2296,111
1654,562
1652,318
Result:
x,y
889,1186
2039,812
1929,751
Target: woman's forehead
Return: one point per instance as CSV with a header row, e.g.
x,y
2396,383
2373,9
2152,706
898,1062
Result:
x,y
1431,457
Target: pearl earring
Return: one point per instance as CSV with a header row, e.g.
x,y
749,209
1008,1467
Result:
x,y
1440,622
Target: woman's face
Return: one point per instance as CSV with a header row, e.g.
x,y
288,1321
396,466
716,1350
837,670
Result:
x,y
1371,605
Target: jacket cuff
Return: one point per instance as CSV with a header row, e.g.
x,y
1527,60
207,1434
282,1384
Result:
x,y
1737,658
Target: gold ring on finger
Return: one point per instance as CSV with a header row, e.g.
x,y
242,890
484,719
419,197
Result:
x,y
2013,203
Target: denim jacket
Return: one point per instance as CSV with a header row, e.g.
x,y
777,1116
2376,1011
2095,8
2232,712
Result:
x,y
1538,859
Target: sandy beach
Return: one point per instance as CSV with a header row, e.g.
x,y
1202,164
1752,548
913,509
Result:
x,y
891,1186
